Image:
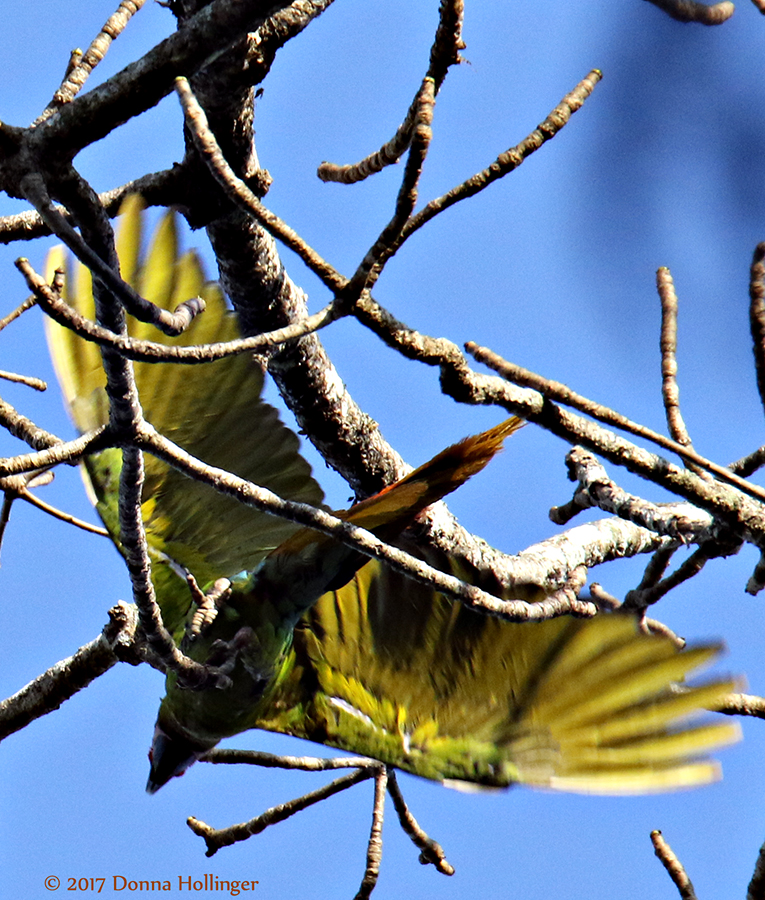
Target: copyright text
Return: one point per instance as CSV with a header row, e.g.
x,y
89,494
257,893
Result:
x,y
181,883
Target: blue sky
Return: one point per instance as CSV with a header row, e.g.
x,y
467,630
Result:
x,y
554,269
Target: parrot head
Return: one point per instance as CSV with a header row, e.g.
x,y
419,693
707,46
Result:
x,y
171,754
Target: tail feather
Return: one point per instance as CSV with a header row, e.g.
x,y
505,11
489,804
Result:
x,y
309,563
405,499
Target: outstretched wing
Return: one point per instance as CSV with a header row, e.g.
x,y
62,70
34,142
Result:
x,y
214,411
387,668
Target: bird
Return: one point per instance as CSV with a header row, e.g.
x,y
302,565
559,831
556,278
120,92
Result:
x,y
323,643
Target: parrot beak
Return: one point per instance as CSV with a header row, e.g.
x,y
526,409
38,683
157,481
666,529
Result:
x,y
170,756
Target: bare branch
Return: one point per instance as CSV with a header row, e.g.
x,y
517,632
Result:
x,y
466,386
749,464
270,761
193,354
225,837
371,266
83,64
641,598
757,315
676,520
172,323
431,852
141,85
165,188
607,601
240,193
673,866
30,381
743,705
136,552
560,392
55,451
756,888
668,343
444,53
62,681
509,160
691,11
21,308
374,846
757,582
61,515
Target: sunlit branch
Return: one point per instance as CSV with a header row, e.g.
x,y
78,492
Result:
x,y
171,323
82,65
673,866
225,837
48,691
691,11
444,53
668,345
559,392
242,195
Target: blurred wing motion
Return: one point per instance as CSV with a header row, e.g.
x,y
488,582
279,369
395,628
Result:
x,y
405,675
326,645
214,411
262,612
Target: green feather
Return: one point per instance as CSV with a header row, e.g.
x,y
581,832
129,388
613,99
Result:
x,y
213,411
346,652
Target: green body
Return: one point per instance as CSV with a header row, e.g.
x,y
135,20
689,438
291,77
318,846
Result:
x,y
346,652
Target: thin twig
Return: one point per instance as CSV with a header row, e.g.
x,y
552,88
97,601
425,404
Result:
x,y
21,308
431,852
641,598
742,705
668,345
657,566
444,53
370,268
509,160
136,553
5,513
555,390
48,691
171,323
675,520
607,601
673,866
691,11
374,845
749,464
271,761
66,517
757,580
757,315
43,441
756,888
204,37
54,450
150,351
225,837
240,193
83,64
29,380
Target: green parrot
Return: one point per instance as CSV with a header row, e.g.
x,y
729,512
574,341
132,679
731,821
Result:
x,y
326,645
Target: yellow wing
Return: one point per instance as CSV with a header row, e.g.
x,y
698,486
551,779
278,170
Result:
x,y
389,669
214,411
